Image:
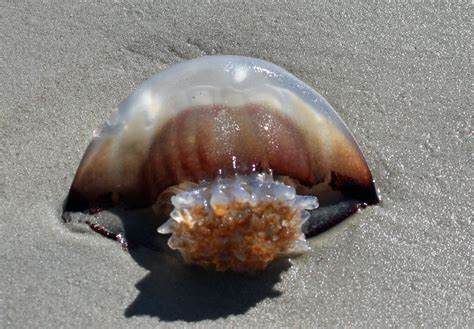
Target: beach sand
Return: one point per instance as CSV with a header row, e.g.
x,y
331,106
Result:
x,y
398,73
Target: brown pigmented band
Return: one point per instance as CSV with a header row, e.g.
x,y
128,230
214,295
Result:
x,y
204,142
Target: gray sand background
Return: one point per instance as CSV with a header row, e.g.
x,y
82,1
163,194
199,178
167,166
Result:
x,y
399,74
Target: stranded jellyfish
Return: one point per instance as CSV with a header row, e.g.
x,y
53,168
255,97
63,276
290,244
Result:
x,y
245,160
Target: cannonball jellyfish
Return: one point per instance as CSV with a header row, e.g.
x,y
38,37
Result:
x,y
245,160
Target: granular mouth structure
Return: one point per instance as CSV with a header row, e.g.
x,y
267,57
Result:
x,y
238,224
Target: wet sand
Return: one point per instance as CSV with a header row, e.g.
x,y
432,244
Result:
x,y
398,73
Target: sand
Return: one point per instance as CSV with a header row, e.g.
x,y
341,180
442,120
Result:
x,y
399,74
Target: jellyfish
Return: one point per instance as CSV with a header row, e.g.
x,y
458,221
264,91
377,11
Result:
x,y
244,160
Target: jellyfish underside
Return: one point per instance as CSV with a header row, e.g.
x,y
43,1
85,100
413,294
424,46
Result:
x,y
242,182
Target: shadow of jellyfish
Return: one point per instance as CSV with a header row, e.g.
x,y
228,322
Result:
x,y
173,291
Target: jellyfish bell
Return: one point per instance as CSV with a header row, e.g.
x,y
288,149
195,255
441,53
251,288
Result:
x,y
245,159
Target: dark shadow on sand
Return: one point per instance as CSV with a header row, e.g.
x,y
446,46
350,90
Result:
x,y
173,291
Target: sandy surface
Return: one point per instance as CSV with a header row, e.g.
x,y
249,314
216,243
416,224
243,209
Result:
x,y
399,74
